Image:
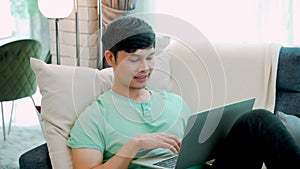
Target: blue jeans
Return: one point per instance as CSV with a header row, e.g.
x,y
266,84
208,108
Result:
x,y
257,137
37,158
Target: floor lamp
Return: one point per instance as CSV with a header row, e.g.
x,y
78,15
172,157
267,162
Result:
x,y
77,34
56,9
100,56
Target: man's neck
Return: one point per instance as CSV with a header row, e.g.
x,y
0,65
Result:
x,y
139,95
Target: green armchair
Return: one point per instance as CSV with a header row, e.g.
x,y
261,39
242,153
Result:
x,y
17,80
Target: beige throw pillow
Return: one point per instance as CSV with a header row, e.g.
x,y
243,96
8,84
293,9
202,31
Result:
x,y
66,91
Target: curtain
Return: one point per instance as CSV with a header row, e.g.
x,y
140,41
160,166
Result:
x,y
112,9
239,20
124,5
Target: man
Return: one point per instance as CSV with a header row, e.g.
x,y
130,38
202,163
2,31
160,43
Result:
x,y
132,121
129,120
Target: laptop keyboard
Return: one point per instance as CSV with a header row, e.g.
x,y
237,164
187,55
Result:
x,y
168,163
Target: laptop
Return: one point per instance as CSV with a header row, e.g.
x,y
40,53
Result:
x,y
203,132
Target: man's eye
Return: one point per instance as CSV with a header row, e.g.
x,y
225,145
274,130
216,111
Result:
x,y
134,60
149,58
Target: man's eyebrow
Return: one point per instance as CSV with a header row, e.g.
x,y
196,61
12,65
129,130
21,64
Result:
x,y
134,54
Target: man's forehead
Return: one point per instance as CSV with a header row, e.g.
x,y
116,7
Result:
x,y
143,52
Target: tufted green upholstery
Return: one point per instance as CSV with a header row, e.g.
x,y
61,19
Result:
x,y
17,80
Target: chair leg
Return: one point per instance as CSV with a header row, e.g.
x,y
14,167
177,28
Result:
x,y
11,114
3,122
38,114
33,102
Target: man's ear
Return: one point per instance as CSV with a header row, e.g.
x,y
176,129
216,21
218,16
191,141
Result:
x,y
110,58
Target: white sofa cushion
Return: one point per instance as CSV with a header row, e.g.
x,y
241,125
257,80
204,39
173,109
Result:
x,y
248,70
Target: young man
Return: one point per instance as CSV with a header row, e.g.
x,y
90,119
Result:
x,y
132,121
129,120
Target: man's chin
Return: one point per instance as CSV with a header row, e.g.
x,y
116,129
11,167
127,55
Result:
x,y
137,87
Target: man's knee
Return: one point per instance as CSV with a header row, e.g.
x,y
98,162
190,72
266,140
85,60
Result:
x,y
258,116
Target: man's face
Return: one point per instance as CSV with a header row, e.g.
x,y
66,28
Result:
x,y
132,70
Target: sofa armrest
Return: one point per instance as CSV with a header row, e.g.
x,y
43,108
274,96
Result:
x,y
288,81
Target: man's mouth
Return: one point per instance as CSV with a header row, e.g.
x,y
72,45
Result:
x,y
141,78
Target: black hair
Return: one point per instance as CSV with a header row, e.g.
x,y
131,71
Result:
x,y
129,34
133,43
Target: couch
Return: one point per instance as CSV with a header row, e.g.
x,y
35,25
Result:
x,y
264,71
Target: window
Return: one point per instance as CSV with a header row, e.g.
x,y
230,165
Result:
x,y
239,20
5,17
21,19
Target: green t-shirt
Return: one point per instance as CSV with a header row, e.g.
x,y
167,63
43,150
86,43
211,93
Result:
x,y
109,122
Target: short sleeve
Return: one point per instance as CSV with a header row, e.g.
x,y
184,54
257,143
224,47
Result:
x,y
87,130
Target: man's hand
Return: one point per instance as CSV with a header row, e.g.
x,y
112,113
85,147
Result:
x,y
158,140
92,158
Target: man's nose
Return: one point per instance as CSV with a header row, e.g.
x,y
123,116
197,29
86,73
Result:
x,y
144,65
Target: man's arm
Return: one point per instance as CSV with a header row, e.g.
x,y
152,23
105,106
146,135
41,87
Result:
x,y
86,158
